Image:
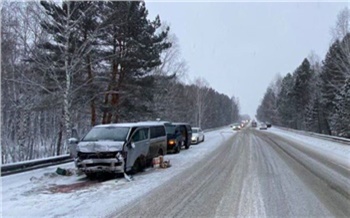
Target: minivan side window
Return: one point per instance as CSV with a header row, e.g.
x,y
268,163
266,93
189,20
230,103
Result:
x,y
157,131
140,135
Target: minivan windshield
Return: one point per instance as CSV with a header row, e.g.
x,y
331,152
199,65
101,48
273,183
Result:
x,y
107,133
194,130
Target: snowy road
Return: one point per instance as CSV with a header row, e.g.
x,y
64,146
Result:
x,y
254,174
249,173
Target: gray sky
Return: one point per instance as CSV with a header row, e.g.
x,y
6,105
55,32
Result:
x,y
239,48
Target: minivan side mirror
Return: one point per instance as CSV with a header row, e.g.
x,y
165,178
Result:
x,y
73,141
130,143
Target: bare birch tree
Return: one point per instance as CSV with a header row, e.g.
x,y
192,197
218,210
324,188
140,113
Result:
x,y
202,88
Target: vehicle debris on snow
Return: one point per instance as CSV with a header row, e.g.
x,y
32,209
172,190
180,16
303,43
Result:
x,y
64,172
159,162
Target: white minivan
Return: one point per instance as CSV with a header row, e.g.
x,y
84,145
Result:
x,y
118,148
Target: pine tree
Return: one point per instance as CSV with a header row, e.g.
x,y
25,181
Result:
x,y
343,111
285,102
302,92
332,79
135,48
267,110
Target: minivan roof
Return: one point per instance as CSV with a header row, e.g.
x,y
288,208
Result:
x,y
129,124
181,124
155,122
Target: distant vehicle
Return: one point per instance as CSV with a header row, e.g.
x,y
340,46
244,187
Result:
x,y
197,135
118,148
242,124
268,124
254,124
236,126
263,126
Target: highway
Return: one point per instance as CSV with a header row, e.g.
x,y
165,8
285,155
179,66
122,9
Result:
x,y
254,174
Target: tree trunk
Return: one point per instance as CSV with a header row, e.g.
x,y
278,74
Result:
x,y
68,71
107,115
59,139
105,112
92,103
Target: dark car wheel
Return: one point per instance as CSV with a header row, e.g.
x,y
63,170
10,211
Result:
x,y
178,149
203,138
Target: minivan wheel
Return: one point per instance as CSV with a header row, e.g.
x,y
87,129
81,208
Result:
x,y
136,167
203,138
91,176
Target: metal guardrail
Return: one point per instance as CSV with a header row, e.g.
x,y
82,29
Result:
x,y
19,167
318,135
8,169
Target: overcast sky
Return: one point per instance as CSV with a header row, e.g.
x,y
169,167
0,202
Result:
x,y
239,48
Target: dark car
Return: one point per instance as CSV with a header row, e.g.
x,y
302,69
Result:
x,y
185,130
174,137
268,124
254,124
178,135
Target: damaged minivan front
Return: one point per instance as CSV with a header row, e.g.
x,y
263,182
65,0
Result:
x,y
101,156
101,150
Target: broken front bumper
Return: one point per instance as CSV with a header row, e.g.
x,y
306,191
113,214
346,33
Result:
x,y
110,165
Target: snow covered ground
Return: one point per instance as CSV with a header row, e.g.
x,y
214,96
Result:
x,y
43,193
339,153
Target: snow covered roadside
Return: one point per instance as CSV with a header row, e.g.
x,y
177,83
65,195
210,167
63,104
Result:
x,y
42,193
339,153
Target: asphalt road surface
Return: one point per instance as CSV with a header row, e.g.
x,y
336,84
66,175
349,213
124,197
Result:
x,y
256,174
